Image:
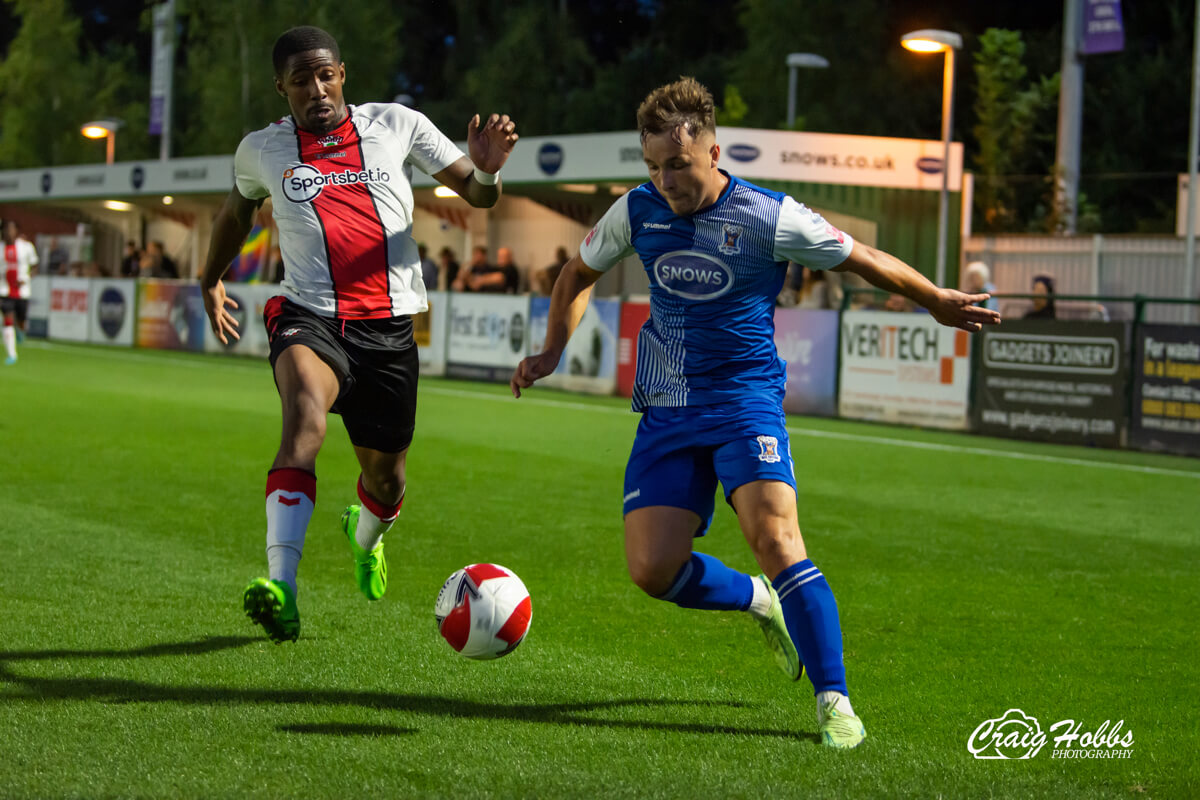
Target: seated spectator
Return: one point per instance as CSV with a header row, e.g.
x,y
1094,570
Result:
x,y
816,290
543,279
131,260
157,264
1043,305
429,268
448,265
897,302
56,257
480,276
976,280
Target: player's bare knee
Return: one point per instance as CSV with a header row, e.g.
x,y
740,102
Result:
x,y
777,542
386,486
653,577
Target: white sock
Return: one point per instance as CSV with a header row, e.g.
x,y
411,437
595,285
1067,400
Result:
x,y
10,341
371,525
290,501
841,704
760,604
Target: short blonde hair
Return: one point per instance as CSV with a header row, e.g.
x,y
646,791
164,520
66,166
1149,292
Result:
x,y
685,104
978,268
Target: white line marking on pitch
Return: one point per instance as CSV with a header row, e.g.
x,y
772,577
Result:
x,y
133,355
852,437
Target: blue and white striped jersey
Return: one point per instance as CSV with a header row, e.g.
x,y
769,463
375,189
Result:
x,y
714,277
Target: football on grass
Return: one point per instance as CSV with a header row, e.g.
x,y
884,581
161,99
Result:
x,y
483,611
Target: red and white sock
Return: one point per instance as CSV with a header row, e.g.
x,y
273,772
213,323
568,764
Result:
x,y
291,495
10,339
374,519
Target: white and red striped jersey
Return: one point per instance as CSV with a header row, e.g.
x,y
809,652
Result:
x,y
344,206
18,258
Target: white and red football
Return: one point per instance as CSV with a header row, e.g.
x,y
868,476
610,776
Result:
x,y
483,611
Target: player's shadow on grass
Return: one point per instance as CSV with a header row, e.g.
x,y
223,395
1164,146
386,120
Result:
x,y
120,690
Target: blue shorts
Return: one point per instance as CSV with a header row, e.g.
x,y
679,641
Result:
x,y
680,454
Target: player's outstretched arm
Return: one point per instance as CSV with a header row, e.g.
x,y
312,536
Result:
x,y
489,145
568,301
948,306
230,228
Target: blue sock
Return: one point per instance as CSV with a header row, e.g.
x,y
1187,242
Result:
x,y
812,621
704,582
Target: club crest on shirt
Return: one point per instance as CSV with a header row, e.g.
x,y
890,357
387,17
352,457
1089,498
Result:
x,y
768,447
835,233
289,332
731,234
330,140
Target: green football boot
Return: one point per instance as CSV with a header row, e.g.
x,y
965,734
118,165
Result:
x,y
370,569
272,604
778,639
841,730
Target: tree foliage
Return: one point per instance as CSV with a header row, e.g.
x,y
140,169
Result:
x,y
1008,109
52,82
568,66
225,81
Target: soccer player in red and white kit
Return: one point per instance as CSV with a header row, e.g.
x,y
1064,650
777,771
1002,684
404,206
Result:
x,y
341,335
20,257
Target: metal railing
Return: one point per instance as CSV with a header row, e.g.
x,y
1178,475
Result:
x,y
1139,301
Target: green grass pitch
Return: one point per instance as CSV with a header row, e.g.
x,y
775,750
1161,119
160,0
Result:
x,y
973,576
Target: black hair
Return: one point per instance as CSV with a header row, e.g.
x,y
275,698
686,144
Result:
x,y
302,39
1046,281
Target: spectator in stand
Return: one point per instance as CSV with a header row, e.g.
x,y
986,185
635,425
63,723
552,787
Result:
x,y
480,276
543,279
274,268
56,257
157,264
817,290
977,280
131,260
448,265
512,273
1043,305
429,268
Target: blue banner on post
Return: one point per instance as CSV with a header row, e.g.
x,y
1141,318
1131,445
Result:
x,y
1103,31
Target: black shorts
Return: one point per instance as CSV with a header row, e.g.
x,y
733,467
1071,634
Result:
x,y
17,306
376,364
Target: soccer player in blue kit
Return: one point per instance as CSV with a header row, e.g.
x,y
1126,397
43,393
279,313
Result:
x,y
710,385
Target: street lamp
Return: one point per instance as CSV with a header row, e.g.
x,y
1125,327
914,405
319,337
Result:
x,y
935,41
794,62
103,129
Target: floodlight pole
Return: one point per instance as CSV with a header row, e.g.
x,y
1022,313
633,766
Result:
x,y
944,196
794,62
1189,285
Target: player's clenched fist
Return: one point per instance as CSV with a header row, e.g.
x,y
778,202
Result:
x,y
532,369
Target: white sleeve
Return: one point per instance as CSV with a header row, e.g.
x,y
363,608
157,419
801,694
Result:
x,y
33,256
804,236
609,241
247,168
430,150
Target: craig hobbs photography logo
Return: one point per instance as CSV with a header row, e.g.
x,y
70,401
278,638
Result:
x,y
1016,735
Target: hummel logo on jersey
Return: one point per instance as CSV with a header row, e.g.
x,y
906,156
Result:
x,y
657,226
304,182
330,140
